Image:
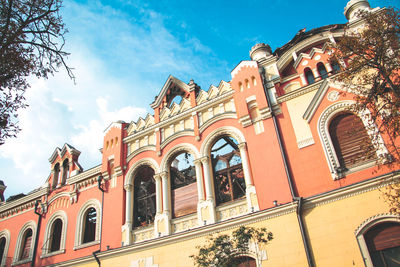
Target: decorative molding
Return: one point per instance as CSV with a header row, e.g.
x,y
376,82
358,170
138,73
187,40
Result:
x,y
85,175
316,101
176,135
243,64
305,142
299,92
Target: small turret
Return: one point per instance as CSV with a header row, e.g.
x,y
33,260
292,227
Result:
x,y
260,51
353,7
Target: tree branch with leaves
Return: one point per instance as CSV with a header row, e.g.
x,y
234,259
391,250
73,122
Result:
x,y
370,58
31,43
227,250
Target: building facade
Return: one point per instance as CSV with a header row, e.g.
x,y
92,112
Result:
x,y
266,149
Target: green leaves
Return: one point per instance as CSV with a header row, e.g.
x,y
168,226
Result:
x,y
224,250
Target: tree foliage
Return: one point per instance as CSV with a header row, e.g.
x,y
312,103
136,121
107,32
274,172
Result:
x,y
225,250
31,43
370,57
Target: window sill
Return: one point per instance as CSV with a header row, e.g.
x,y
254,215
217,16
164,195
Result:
x,y
85,245
21,261
53,253
356,168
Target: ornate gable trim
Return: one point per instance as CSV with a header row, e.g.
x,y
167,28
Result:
x,y
168,84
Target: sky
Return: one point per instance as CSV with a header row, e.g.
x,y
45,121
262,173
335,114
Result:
x,y
123,51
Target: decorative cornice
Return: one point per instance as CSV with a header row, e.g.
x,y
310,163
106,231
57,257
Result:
x,y
352,190
222,116
24,202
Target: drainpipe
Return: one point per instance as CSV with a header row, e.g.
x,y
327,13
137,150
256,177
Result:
x,y
99,179
295,198
39,222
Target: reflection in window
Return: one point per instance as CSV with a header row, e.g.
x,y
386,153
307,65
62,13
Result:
x,y
26,245
89,233
228,171
144,206
55,238
183,185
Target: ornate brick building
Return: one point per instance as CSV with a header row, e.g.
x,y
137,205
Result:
x,y
267,148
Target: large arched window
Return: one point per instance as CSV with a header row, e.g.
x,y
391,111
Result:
x,y
228,171
183,185
144,205
244,261
3,242
322,70
383,242
351,141
309,76
26,245
88,224
55,234
89,232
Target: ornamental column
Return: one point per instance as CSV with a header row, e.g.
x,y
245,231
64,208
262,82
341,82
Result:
x,y
127,227
199,179
207,178
157,178
245,163
165,193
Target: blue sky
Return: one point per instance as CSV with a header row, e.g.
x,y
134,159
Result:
x,y
123,52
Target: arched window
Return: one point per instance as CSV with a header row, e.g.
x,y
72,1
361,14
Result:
x,y
144,205
56,174
244,261
350,140
26,245
183,185
228,171
55,239
383,242
322,70
2,249
65,171
87,225
309,76
89,233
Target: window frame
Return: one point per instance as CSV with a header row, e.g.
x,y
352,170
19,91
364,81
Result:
x,y
365,227
18,248
80,224
323,130
48,232
6,234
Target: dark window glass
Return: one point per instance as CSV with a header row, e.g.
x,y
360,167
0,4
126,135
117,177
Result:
x,y
309,76
144,206
243,261
56,235
89,233
383,242
322,70
228,171
26,244
56,174
183,185
2,248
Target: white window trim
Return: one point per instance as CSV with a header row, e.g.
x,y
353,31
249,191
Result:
x,y
326,141
80,224
46,247
29,225
6,234
365,226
